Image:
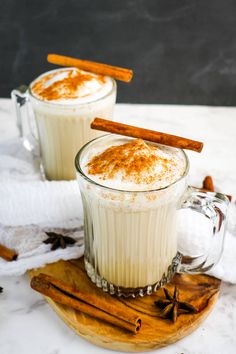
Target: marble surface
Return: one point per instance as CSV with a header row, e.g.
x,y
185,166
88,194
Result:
x,y
28,325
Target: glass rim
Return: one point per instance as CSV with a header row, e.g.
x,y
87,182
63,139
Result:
x,y
84,176
72,104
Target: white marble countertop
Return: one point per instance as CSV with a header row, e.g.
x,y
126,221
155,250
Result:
x,y
28,325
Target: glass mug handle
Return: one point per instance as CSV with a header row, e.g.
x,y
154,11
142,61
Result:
x,y
214,207
24,121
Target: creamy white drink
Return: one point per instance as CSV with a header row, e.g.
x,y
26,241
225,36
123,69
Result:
x,y
65,101
130,190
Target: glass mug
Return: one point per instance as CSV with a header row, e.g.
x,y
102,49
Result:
x,y
58,130
131,237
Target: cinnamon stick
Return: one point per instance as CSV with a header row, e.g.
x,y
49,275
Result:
x,y
85,302
146,134
208,186
116,72
7,253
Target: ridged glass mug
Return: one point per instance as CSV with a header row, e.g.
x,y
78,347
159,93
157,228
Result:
x,y
131,243
56,131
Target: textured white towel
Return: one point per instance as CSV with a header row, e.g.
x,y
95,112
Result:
x,y
194,233
51,204
58,205
29,206
27,209
27,241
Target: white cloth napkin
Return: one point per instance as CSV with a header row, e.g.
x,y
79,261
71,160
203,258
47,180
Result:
x,y
50,204
53,205
195,233
29,206
27,210
27,241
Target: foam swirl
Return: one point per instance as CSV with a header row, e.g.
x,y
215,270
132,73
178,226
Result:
x,y
70,86
134,165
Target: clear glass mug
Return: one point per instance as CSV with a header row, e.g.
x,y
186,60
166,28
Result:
x,y
56,131
131,243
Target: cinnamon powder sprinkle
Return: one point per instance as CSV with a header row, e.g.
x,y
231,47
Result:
x,y
66,88
135,160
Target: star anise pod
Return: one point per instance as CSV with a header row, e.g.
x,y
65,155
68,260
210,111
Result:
x,y
172,307
58,240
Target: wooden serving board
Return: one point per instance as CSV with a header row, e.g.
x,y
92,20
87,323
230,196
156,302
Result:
x,y
201,290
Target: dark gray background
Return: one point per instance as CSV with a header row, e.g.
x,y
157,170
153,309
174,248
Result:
x,y
182,51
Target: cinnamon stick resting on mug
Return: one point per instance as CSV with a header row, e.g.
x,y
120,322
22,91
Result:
x,y
7,253
87,303
146,134
116,72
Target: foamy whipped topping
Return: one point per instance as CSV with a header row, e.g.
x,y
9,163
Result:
x,y
133,165
70,86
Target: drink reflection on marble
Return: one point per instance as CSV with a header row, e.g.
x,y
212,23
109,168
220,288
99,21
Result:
x,y
65,101
130,191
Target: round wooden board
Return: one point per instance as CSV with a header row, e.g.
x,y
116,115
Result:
x,y
201,290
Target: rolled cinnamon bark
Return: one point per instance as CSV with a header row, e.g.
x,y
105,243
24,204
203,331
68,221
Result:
x,y
146,134
86,303
208,186
7,253
116,72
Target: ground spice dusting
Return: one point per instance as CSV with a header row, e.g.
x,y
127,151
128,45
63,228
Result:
x,y
66,88
136,161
